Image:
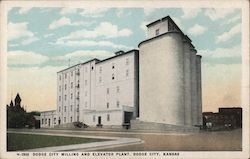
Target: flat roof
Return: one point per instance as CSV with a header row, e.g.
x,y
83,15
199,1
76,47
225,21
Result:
x,y
79,64
99,61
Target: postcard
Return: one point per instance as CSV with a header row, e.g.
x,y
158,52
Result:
x,y
132,79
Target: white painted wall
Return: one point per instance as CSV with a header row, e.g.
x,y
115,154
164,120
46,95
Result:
x,y
93,95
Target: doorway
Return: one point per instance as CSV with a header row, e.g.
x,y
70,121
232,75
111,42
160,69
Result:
x,y
99,120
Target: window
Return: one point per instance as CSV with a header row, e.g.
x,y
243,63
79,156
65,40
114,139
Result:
x,y
107,104
59,98
117,104
127,61
65,75
71,84
113,76
71,73
42,121
100,70
65,97
54,120
77,109
100,79
71,108
108,117
86,93
93,118
157,32
71,95
77,118
78,72
60,87
65,119
60,78
46,121
86,69
117,89
64,108
92,67
107,90
65,87
59,109
71,119
86,82
127,73
113,66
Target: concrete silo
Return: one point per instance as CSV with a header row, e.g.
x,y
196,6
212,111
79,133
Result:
x,y
187,81
161,75
194,87
199,90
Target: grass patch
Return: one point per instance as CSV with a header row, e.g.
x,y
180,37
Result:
x,y
17,141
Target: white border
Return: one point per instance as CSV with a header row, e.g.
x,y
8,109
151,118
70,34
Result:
x,y
244,5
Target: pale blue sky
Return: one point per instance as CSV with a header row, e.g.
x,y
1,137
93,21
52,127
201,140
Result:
x,y
38,20
43,39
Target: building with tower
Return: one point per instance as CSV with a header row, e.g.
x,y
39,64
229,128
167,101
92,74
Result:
x,y
159,83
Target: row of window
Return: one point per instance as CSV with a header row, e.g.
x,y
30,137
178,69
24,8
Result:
x,y
117,89
117,104
71,119
86,69
113,76
47,121
71,85
71,108
86,82
77,109
86,94
71,96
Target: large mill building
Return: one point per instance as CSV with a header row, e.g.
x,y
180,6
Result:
x,y
159,83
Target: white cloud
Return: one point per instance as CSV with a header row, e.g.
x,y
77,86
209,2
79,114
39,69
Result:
x,y
91,43
234,51
105,29
66,21
18,30
24,10
218,13
59,23
25,57
189,13
94,12
65,11
233,19
197,30
29,40
229,34
148,11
